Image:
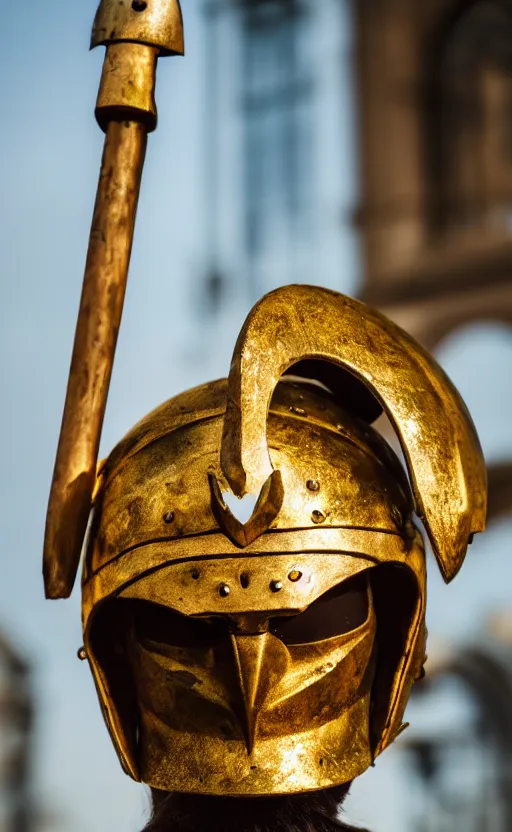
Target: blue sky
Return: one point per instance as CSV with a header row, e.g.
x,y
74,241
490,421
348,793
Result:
x,y
48,173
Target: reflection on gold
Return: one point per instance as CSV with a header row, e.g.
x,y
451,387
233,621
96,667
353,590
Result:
x,y
250,713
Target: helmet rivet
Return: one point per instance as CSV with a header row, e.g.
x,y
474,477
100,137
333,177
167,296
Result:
x,y
224,590
139,5
295,575
298,411
168,517
317,516
82,654
312,485
276,586
195,574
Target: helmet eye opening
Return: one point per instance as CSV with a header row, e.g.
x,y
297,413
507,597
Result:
x,y
157,624
341,610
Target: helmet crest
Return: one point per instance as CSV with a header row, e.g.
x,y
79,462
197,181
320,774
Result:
x,y
435,430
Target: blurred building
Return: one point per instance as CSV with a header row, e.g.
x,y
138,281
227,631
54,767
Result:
x,y
16,808
276,109
461,744
430,87
434,91
434,83
432,99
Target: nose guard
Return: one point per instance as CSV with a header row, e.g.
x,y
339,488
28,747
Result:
x,y
261,661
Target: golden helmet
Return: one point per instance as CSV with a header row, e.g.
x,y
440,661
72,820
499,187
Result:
x,y
275,655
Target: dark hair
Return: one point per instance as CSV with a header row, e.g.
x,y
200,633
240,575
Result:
x,y
311,812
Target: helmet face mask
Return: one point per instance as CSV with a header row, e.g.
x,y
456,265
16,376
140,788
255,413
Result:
x,y
248,707
277,655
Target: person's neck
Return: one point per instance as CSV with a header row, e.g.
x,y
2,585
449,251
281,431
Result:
x,y
311,812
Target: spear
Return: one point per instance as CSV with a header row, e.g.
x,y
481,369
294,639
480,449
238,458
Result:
x,y
135,33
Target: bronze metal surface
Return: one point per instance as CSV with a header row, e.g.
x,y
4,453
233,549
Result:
x,y
325,752
336,503
436,433
277,718
160,569
127,88
155,22
134,33
253,714
176,586
93,353
157,537
164,475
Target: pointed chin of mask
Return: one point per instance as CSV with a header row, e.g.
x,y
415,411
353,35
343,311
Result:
x,y
251,715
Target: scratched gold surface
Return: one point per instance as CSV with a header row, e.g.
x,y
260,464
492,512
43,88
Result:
x,y
155,537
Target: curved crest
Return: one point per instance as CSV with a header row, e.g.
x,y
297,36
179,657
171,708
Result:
x,y
438,438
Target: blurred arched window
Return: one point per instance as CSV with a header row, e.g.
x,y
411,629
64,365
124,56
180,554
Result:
x,y
478,359
472,124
